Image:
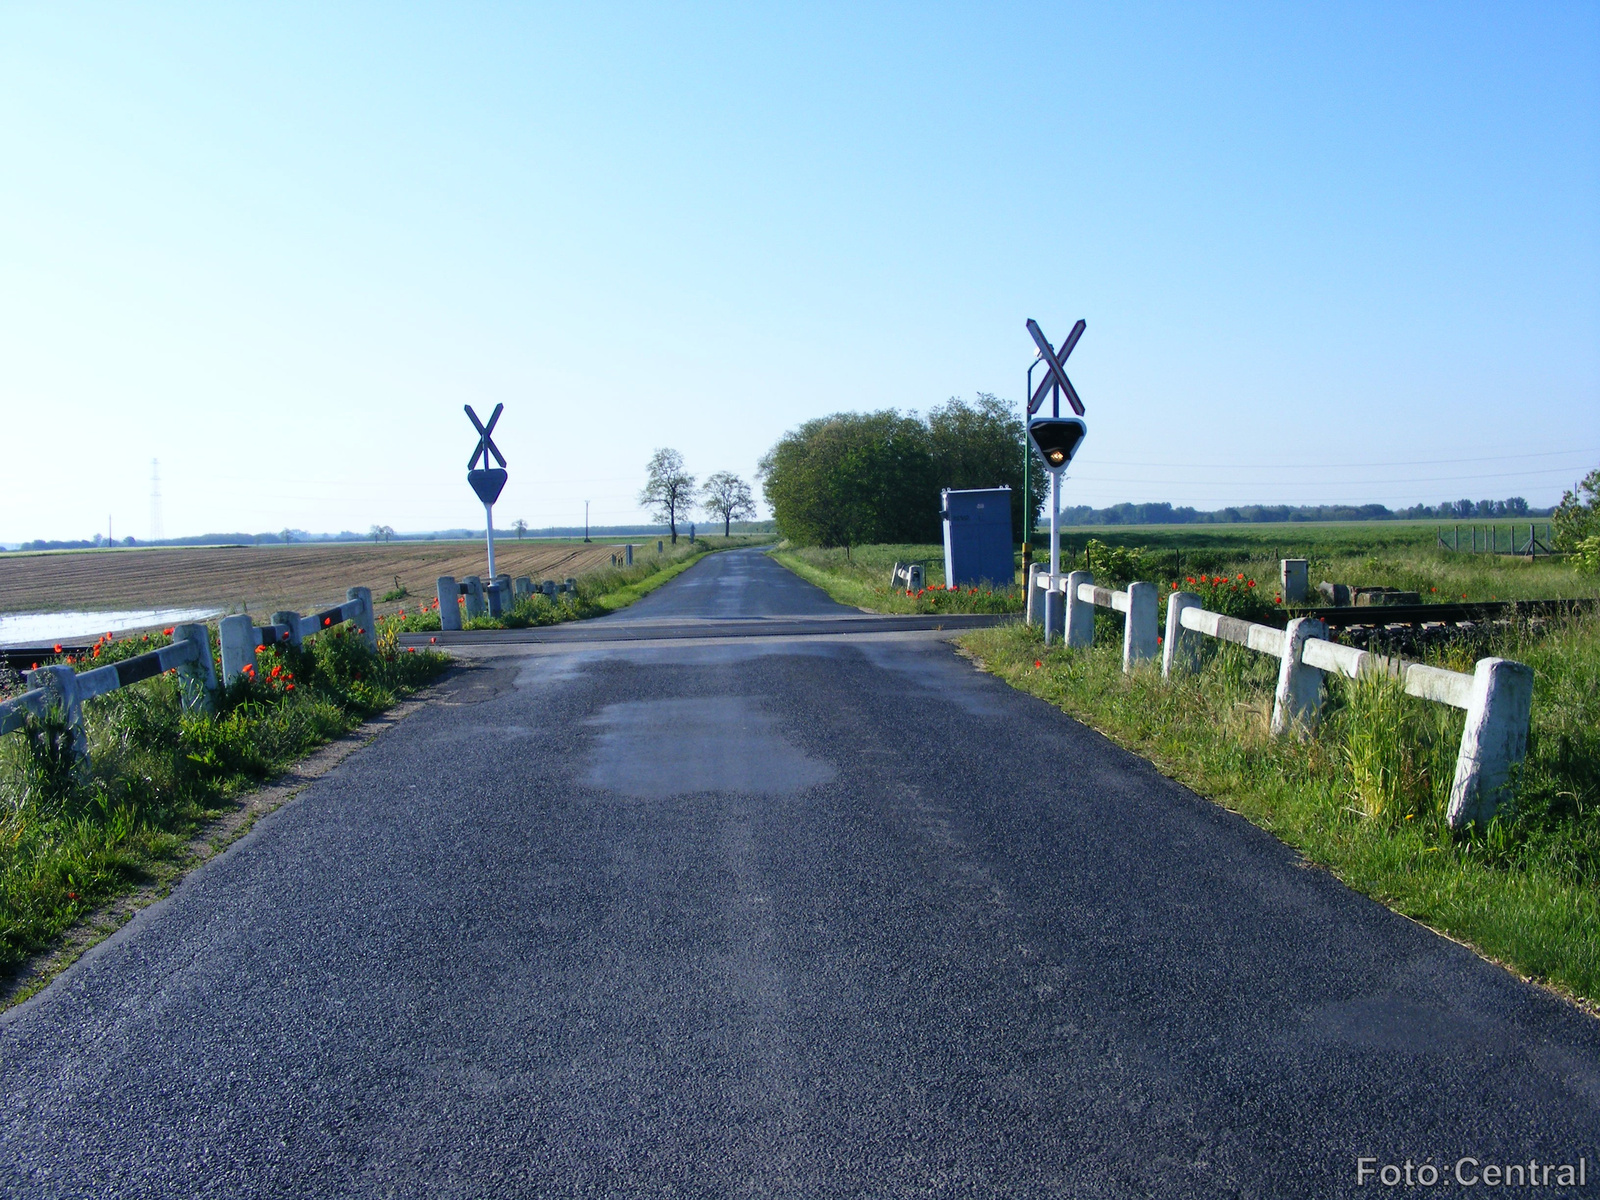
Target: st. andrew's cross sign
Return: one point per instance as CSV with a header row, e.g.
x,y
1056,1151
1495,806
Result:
x,y
487,481
1057,439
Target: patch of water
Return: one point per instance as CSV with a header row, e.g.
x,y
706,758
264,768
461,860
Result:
x,y
45,629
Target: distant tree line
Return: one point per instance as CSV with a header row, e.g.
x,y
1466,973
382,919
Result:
x,y
853,479
1166,514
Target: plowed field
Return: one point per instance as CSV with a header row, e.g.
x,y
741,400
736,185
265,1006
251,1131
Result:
x,y
268,578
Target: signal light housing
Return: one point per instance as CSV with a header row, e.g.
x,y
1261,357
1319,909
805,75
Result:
x,y
1057,439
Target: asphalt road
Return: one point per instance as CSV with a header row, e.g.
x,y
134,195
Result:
x,y
794,916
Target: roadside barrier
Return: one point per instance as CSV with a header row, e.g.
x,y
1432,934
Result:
x,y
906,577
64,690
240,636
1497,696
479,599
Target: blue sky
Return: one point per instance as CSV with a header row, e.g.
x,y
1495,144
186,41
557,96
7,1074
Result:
x,y
1330,253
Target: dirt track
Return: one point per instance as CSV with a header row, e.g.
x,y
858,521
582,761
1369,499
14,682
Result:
x,y
265,578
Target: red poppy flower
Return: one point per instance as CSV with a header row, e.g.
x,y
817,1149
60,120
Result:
x,y
260,648
432,641
1037,663
1252,583
167,631
289,688
58,647
326,621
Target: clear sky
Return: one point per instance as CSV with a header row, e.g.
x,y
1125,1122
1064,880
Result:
x,y
1327,253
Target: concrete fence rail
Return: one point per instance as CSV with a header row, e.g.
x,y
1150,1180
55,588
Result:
x,y
64,690
1497,696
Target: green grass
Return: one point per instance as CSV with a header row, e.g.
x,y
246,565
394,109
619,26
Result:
x,y
1400,554
861,579
1365,797
70,843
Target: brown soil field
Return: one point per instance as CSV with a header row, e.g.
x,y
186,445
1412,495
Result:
x,y
264,579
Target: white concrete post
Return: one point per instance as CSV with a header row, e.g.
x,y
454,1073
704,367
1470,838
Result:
x,y
292,620
1294,580
914,577
475,605
1035,604
1140,626
571,585
548,587
522,587
197,679
627,555
366,621
238,637
1178,653
661,547
449,604
1298,701
60,686
1494,743
1080,613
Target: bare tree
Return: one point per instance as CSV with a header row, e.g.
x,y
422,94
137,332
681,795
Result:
x,y
727,496
669,490
520,526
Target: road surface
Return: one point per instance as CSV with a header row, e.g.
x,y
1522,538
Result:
x,y
772,914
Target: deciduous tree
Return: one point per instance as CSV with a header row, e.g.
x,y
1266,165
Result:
x,y
668,489
725,495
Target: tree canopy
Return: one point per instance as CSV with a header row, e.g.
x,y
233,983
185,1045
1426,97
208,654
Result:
x,y
726,495
668,489
857,478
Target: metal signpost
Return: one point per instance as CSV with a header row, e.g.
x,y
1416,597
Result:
x,y
487,481
1057,439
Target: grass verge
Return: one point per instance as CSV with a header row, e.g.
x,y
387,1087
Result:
x,y
861,579
1365,797
72,842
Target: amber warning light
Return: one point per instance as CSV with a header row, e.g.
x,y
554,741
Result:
x,y
1057,439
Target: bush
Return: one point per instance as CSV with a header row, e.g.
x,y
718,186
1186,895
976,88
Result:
x,y
1577,517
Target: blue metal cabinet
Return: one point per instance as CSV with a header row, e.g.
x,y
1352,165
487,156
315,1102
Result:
x,y
977,537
